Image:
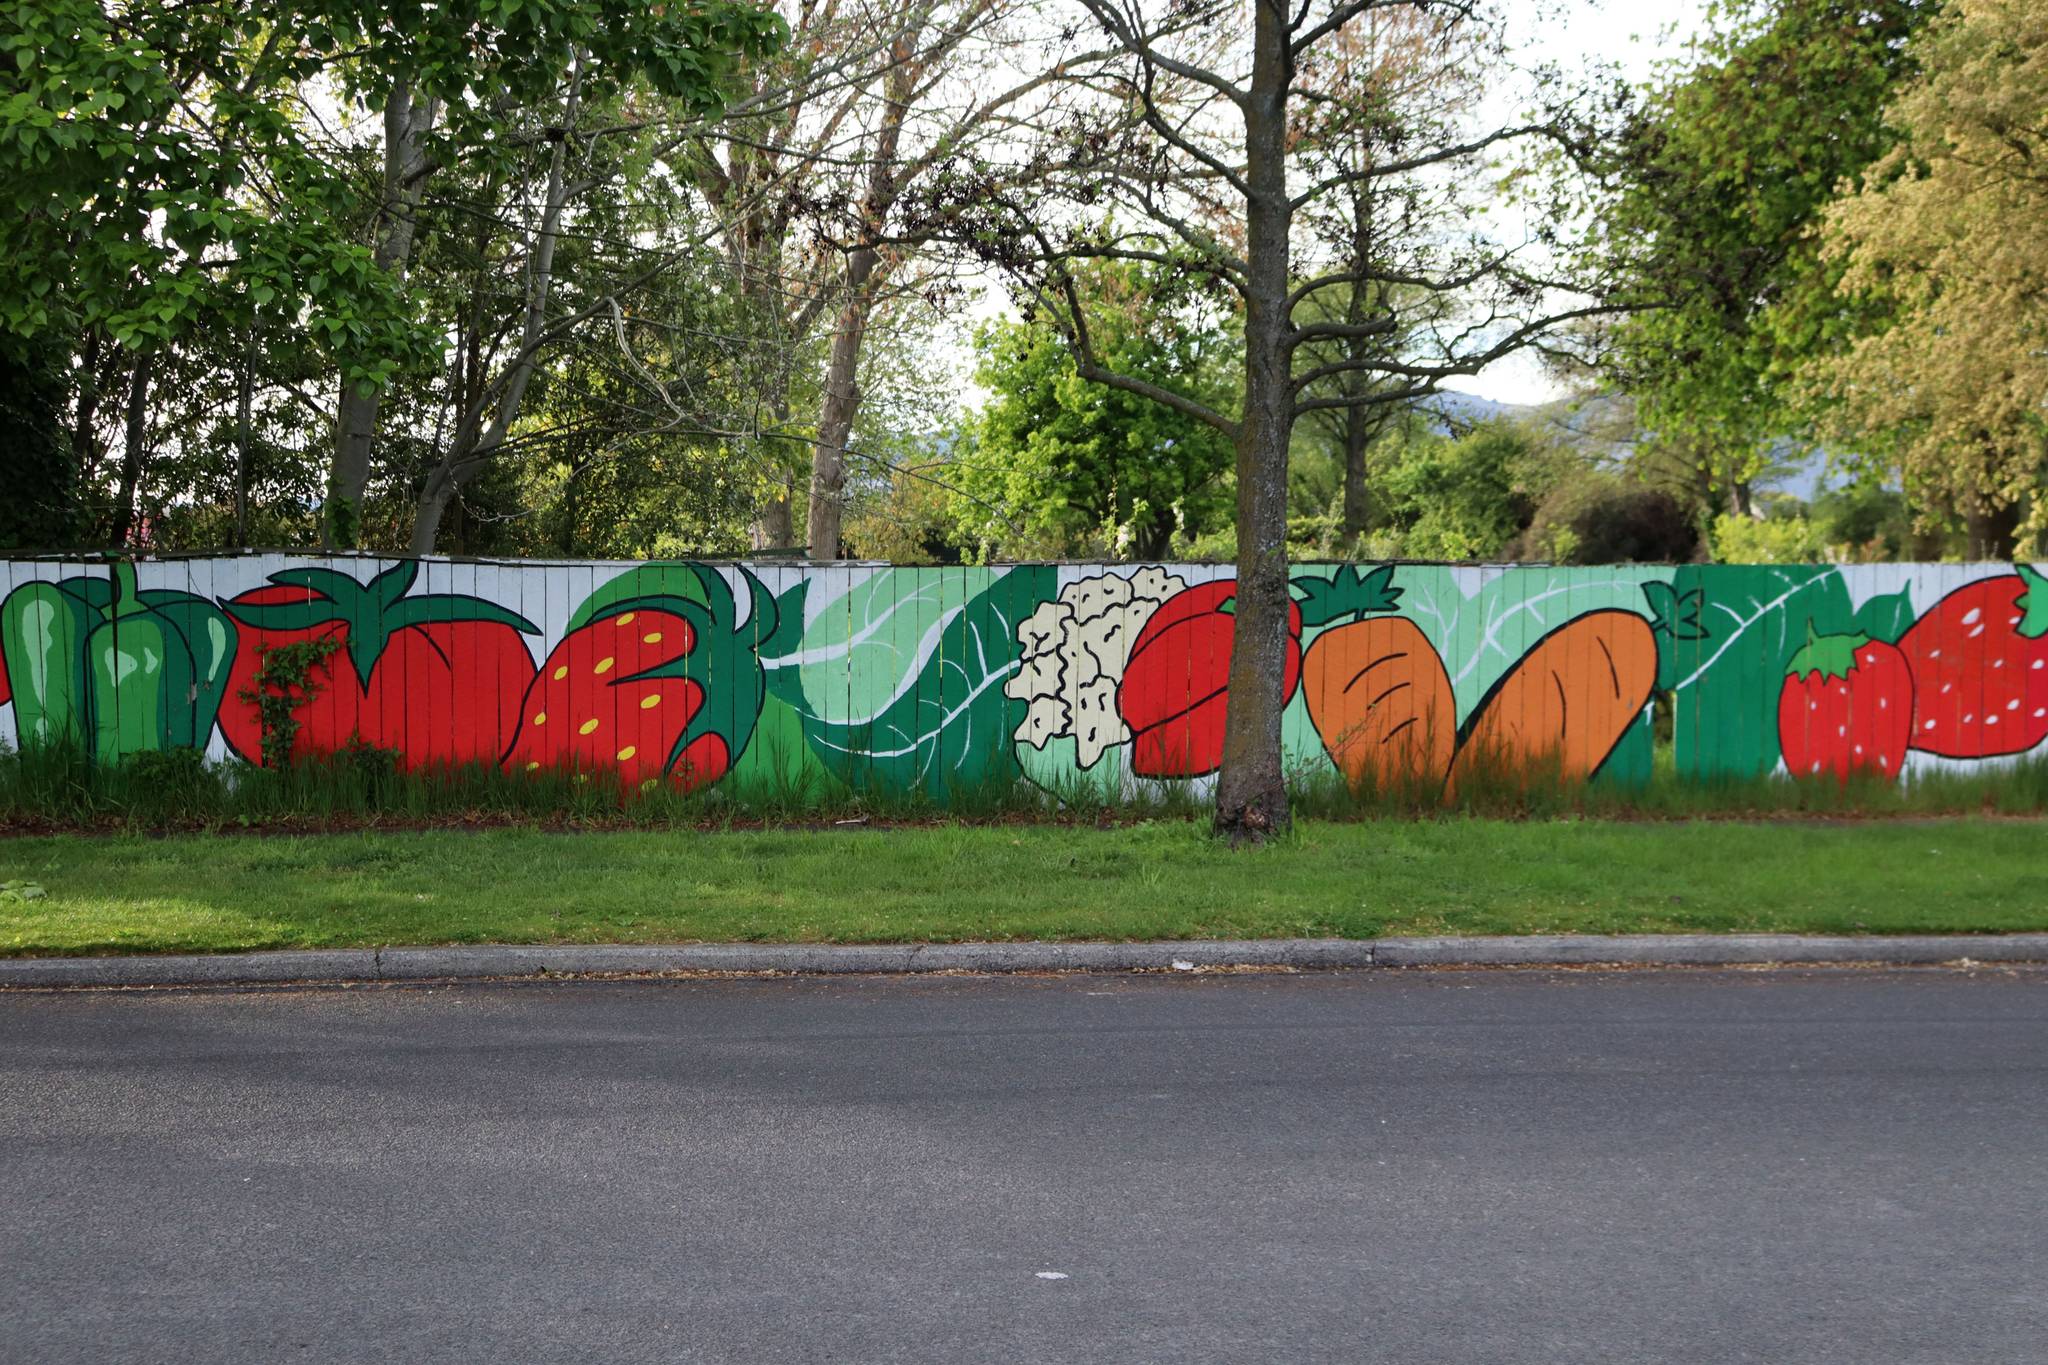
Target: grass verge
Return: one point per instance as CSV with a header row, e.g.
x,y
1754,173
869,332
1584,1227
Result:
x,y
61,788
197,893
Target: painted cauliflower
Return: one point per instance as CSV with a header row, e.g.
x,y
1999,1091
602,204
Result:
x,y
1074,651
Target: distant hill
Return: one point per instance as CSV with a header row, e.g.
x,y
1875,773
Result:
x,y
1469,409
1605,424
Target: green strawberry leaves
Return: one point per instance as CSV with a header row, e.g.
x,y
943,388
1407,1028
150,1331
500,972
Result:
x,y
2033,603
1346,593
725,660
1829,656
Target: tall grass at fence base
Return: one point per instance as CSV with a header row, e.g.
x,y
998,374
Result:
x,y
47,787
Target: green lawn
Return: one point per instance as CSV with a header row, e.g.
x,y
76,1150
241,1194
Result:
x,y
211,893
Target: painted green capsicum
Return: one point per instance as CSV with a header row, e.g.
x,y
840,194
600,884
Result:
x,y
102,663
43,627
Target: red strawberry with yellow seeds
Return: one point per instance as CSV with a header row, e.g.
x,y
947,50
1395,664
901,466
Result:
x,y
654,680
1846,707
1979,659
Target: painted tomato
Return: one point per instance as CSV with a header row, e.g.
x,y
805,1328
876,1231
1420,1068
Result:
x,y
1979,659
656,680
437,677
1846,707
1175,688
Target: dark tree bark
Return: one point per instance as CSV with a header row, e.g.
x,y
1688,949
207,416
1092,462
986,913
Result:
x,y
83,436
245,395
407,122
1993,532
1251,790
1357,515
131,451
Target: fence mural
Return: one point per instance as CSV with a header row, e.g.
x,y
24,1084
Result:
x,y
1103,678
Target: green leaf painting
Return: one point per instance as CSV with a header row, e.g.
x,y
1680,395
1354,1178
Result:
x,y
900,682
1725,681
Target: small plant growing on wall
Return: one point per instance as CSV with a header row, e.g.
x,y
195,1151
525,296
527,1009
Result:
x,y
283,683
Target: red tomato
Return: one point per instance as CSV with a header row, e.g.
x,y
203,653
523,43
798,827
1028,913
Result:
x,y
1175,688
437,677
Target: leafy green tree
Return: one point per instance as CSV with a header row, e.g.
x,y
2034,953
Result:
x,y
41,510
1069,466
181,176
1949,230
1714,231
1466,498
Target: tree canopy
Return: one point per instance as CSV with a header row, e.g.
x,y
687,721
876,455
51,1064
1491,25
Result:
x,y
1949,230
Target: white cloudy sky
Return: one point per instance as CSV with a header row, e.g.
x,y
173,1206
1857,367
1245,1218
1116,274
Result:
x,y
1632,33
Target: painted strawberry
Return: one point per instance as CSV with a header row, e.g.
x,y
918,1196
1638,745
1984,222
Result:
x,y
1979,659
655,680
1175,688
437,676
1846,707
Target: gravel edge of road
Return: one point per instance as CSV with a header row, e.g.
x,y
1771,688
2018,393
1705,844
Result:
x,y
503,961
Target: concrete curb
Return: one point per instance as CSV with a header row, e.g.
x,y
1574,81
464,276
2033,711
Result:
x,y
503,961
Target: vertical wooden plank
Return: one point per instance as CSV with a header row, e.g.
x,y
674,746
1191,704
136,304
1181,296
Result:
x,y
11,577
840,580
935,595
1588,688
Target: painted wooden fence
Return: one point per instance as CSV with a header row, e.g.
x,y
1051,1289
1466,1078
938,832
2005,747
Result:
x,y
1104,677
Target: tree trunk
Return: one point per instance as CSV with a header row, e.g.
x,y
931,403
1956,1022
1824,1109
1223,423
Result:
x,y
245,395
131,451
83,435
439,492
1741,499
406,125
1251,790
474,446
1993,532
837,409
841,401
1357,508
775,526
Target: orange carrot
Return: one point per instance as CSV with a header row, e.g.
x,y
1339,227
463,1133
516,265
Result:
x,y
1382,703
1565,705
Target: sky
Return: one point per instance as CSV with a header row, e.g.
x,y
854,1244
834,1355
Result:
x,y
1634,34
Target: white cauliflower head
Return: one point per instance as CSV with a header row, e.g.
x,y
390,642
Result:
x,y
1073,652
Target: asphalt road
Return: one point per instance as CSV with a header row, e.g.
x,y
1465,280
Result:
x,y
1849,1168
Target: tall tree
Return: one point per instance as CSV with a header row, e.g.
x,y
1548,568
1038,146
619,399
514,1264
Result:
x,y
1195,145
822,184
447,80
1948,229
1387,82
1721,186
1080,468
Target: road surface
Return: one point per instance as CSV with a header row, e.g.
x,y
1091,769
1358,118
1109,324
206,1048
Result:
x,y
1554,1168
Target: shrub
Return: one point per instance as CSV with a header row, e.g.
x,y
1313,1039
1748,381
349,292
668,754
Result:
x,y
1601,518
1765,540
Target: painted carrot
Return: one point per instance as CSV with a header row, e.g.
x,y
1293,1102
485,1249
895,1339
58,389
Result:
x,y
1375,688
1565,705
1381,701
